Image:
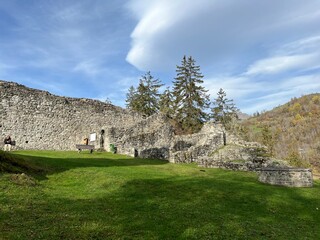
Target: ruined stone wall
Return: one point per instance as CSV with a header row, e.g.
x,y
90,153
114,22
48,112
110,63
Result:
x,y
189,148
39,120
149,138
154,138
291,177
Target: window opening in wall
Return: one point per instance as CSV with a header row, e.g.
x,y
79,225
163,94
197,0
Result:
x,y
27,141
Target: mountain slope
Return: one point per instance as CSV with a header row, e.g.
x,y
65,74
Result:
x,y
291,131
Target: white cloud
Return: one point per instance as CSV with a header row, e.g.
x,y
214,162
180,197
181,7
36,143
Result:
x,y
280,64
88,67
302,84
63,36
277,94
235,87
215,31
309,44
259,52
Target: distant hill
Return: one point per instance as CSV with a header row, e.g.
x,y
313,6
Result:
x,y
242,116
291,131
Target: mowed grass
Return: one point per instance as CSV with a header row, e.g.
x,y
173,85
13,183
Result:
x,y
106,196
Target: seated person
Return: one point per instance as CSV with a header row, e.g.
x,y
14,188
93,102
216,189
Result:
x,y
7,143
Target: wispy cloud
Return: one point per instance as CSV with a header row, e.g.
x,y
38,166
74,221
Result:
x,y
63,36
67,44
308,44
4,68
260,52
302,84
271,81
215,31
237,87
277,94
279,64
88,67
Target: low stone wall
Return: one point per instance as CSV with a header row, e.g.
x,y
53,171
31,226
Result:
x,y
291,177
230,165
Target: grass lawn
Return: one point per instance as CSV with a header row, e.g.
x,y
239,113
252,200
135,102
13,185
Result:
x,y
106,196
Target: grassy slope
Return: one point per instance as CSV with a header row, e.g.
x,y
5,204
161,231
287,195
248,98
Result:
x,y
15,164
295,129
105,196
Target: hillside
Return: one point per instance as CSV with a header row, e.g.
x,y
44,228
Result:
x,y
291,131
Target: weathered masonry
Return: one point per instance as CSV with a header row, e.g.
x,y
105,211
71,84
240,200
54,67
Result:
x,y
291,177
42,121
39,120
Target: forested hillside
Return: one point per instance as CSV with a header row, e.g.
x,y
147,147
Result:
x,y
291,131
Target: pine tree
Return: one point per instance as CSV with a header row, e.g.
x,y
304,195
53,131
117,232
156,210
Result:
x,y
225,110
190,98
145,99
165,103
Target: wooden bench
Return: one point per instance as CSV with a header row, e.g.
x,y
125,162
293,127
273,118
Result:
x,y
84,147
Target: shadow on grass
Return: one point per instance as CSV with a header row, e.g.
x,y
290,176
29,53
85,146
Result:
x,y
172,208
41,164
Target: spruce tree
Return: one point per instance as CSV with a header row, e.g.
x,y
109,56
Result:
x,y
224,110
190,98
131,101
145,99
165,103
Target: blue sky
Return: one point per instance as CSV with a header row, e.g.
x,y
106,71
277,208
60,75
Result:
x,y
262,53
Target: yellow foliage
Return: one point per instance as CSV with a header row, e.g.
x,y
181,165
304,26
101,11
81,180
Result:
x,y
295,108
298,117
315,99
293,126
296,120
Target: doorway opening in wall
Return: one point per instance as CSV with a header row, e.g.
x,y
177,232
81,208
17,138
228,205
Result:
x,y
102,139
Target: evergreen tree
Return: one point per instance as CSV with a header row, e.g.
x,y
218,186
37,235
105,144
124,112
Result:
x,y
268,139
190,98
225,110
131,101
165,103
145,99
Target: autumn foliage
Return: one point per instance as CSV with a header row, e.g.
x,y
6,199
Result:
x,y
291,131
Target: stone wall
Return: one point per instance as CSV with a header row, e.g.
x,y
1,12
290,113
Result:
x,y
189,148
248,157
39,120
149,138
291,177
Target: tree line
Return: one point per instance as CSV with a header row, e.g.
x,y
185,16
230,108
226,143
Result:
x,y
187,103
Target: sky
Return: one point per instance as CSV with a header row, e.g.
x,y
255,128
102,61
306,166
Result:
x,y
262,53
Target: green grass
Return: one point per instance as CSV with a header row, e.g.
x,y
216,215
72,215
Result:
x,y
106,196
